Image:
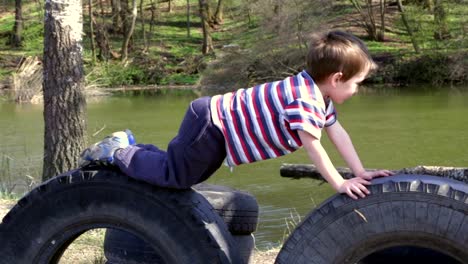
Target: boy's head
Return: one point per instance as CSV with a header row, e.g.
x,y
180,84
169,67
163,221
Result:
x,y
338,51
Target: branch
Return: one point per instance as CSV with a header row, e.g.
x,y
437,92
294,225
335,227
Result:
x,y
297,171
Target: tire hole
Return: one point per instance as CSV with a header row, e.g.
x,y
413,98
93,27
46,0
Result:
x,y
407,255
90,247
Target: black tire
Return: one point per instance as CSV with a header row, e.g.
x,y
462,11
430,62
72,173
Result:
x,y
246,245
238,209
180,225
124,247
416,211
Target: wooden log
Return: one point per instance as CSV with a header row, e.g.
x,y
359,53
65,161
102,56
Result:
x,y
297,171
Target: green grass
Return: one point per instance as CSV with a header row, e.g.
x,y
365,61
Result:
x,y
376,47
180,78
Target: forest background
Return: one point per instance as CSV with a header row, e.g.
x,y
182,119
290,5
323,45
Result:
x,y
227,44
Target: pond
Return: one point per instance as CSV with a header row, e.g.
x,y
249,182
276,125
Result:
x,y
391,128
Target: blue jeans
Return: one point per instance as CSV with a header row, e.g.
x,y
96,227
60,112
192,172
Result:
x,y
192,156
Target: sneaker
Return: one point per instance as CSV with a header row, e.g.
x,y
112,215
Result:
x,y
103,151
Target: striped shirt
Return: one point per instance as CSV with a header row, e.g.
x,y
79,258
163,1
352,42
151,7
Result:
x,y
261,122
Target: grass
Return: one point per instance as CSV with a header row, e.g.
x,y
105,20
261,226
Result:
x,y
6,181
86,249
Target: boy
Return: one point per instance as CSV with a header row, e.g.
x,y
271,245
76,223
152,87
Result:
x,y
262,122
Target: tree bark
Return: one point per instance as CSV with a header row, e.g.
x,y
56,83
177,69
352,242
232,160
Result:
x,y
371,16
188,18
298,171
91,30
440,19
116,16
63,85
383,7
16,36
129,31
153,15
218,16
204,15
124,16
143,31
408,27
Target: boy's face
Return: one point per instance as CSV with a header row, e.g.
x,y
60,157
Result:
x,y
345,90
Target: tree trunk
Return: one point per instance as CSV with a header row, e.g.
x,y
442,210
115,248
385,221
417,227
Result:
x,y
16,36
153,15
381,34
101,6
91,30
116,16
124,16
440,19
169,6
218,17
372,26
63,85
408,27
430,5
129,31
143,31
103,43
207,41
368,21
188,18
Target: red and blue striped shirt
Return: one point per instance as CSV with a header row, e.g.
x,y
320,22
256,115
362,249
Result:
x,y
261,122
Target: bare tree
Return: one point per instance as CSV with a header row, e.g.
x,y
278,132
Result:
x,y
408,27
188,18
381,33
218,16
204,15
368,20
440,19
124,15
63,85
16,36
91,29
129,28
116,17
153,8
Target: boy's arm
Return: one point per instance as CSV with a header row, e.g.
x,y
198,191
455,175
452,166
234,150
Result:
x,y
340,138
324,165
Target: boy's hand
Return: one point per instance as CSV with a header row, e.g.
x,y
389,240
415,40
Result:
x,y
354,186
369,175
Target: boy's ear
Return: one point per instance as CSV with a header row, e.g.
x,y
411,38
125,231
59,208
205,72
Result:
x,y
335,78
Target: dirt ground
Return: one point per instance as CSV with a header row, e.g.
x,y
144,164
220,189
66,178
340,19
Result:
x,y
264,257
5,206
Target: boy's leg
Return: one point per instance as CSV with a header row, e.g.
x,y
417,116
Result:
x,y
193,155
198,150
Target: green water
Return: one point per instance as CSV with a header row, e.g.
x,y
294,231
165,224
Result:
x,y
391,128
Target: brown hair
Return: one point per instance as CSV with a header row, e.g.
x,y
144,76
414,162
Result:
x,y
337,51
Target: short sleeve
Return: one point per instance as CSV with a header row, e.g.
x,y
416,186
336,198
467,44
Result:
x,y
308,116
330,113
